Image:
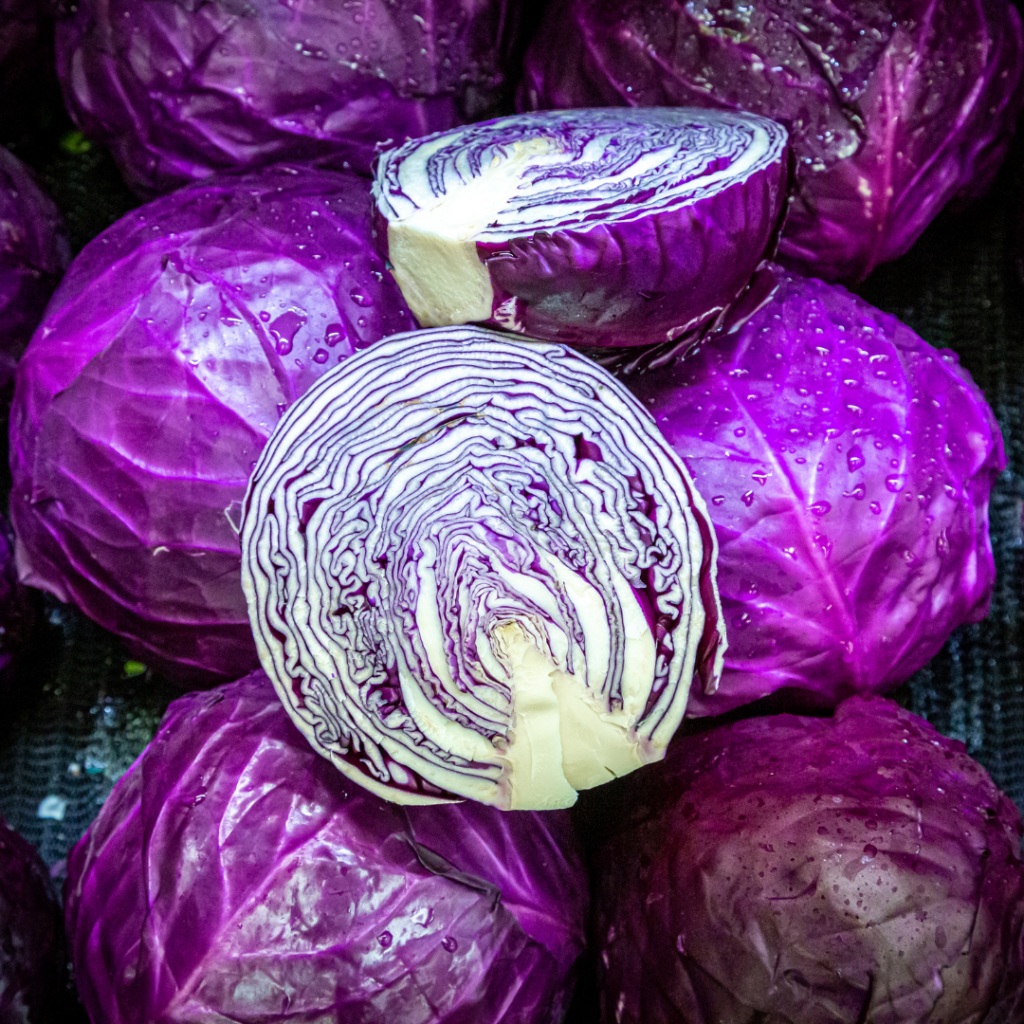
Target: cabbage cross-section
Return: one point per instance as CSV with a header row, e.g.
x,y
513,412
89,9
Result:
x,y
476,570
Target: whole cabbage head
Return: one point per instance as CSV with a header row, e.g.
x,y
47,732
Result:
x,y
33,961
34,253
179,90
846,466
893,106
176,341
796,870
233,874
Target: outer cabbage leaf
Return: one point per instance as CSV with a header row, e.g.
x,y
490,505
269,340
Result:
x,y
847,467
475,569
179,89
814,871
893,106
33,963
593,227
170,351
234,874
34,253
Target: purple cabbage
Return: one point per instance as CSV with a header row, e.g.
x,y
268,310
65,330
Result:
x,y
811,871
893,107
34,253
594,227
476,570
179,90
234,874
847,467
33,963
176,341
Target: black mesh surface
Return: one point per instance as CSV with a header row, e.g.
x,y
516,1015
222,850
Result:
x,y
80,721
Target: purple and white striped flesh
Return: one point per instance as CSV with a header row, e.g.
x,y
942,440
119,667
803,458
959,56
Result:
x,y
593,227
475,569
